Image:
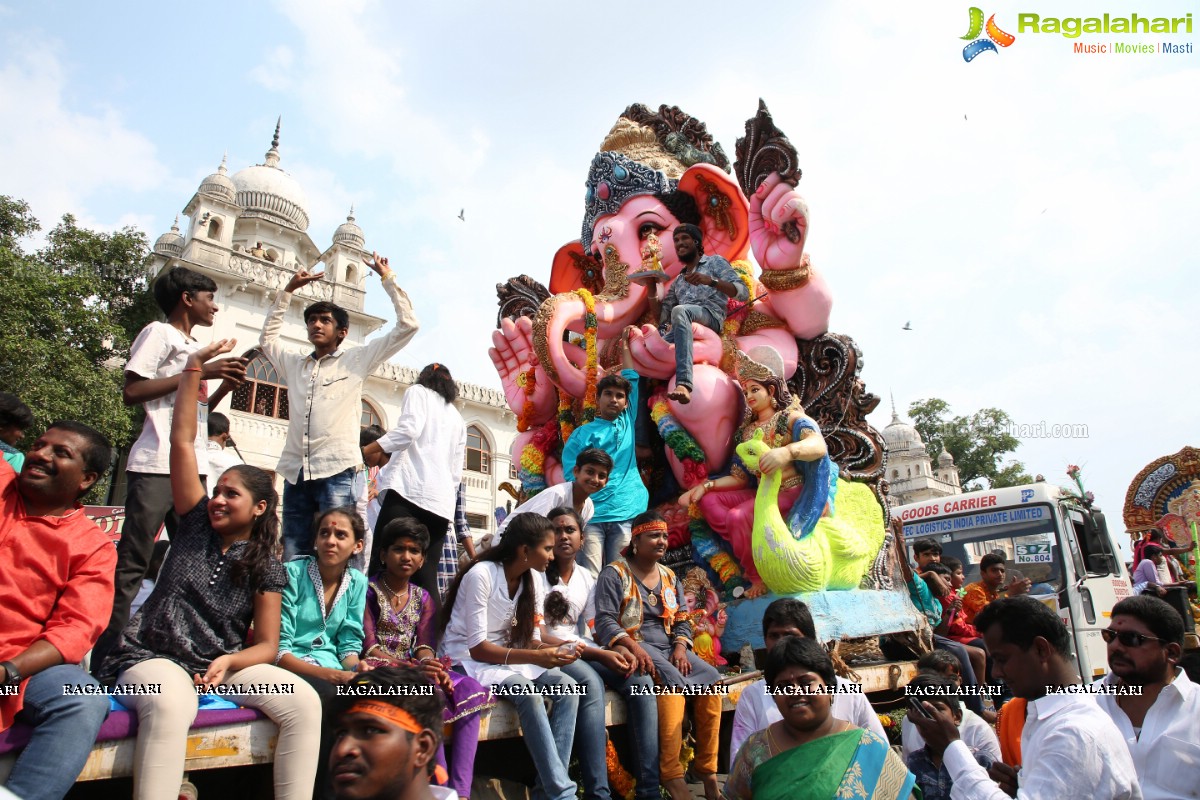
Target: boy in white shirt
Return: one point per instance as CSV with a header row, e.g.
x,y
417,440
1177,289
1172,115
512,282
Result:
x,y
592,467
156,361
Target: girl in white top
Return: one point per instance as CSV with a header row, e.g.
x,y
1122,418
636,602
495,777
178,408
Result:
x,y
428,448
493,634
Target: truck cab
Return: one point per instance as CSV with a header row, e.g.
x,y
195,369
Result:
x,y
1045,534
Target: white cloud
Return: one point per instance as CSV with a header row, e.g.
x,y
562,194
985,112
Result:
x,y
57,155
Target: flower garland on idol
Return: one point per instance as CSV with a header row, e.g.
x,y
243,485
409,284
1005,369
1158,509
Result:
x,y
527,380
566,415
685,448
533,458
738,310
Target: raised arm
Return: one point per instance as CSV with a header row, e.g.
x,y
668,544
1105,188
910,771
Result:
x,y
186,488
384,347
268,340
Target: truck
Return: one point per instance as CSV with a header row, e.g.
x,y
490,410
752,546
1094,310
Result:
x,y
1050,535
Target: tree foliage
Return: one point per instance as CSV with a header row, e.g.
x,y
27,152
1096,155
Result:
x,y
978,443
71,310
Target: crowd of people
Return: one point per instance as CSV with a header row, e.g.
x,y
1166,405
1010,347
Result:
x,y
339,610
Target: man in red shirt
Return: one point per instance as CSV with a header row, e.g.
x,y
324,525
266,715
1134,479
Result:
x,y
56,578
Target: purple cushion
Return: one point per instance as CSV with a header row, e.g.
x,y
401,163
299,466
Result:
x,y
123,725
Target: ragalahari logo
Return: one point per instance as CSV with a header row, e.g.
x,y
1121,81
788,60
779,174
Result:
x,y
995,36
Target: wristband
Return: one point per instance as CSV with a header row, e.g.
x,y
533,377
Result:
x,y
192,369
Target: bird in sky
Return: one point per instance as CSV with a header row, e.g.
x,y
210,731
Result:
x,y
907,326
462,214
964,116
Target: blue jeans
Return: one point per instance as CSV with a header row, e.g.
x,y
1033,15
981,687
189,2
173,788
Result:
x,y
64,730
680,335
602,544
548,736
303,500
643,726
591,734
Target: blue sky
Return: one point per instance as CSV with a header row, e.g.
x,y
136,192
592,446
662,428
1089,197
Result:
x,y
1043,247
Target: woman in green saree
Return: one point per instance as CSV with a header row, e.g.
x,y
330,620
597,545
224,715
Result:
x,y
810,755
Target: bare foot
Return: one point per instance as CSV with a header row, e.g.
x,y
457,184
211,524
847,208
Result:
x,y
757,589
681,395
712,791
677,789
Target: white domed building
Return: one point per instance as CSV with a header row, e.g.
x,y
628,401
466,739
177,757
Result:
x,y
910,472
249,233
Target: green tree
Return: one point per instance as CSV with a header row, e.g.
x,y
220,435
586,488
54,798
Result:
x,y
978,443
71,310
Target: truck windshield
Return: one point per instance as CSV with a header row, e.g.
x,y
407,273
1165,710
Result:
x,y
1024,535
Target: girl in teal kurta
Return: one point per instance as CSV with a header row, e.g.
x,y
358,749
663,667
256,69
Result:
x,y
321,630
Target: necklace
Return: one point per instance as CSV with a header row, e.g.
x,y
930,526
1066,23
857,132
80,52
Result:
x,y
651,597
392,596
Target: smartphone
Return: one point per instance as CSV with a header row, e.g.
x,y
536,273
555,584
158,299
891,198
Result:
x,y
915,704
250,354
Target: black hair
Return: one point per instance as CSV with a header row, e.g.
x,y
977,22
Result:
x,y
791,612
357,526
552,573
394,531
96,452
436,378
990,560
681,205
557,608
940,569
938,661
1157,615
523,529
948,693
595,456
1151,550
157,556
640,519
341,317
926,545
952,563
396,686
614,382
170,287
251,568
368,434
796,651
14,413
1022,619
218,424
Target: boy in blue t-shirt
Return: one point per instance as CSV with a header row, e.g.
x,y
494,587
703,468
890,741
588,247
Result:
x,y
625,496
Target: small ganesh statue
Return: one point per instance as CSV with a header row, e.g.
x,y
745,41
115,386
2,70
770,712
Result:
x,y
706,614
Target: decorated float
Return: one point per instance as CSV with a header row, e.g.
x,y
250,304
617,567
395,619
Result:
x,y
816,527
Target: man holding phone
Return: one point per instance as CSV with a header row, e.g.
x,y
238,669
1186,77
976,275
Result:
x,y
1070,748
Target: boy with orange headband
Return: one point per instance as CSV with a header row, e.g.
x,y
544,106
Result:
x,y
386,734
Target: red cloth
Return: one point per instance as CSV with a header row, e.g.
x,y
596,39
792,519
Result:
x,y
56,578
958,628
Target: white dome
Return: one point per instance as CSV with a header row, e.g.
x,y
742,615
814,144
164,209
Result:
x,y
219,185
945,459
899,435
349,233
171,242
267,192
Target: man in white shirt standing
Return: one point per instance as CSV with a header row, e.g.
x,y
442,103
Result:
x,y
756,709
321,454
1161,726
1069,747
222,452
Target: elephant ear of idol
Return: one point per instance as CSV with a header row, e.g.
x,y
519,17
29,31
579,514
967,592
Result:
x,y
763,150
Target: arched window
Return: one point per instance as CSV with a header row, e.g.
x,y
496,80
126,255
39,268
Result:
x,y
479,454
263,393
370,416
895,474
351,275
214,228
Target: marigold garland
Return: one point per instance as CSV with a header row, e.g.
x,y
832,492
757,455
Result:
x,y
618,776
566,415
685,448
739,310
532,472
528,381
589,333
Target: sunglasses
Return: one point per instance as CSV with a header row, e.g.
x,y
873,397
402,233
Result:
x,y
1127,638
